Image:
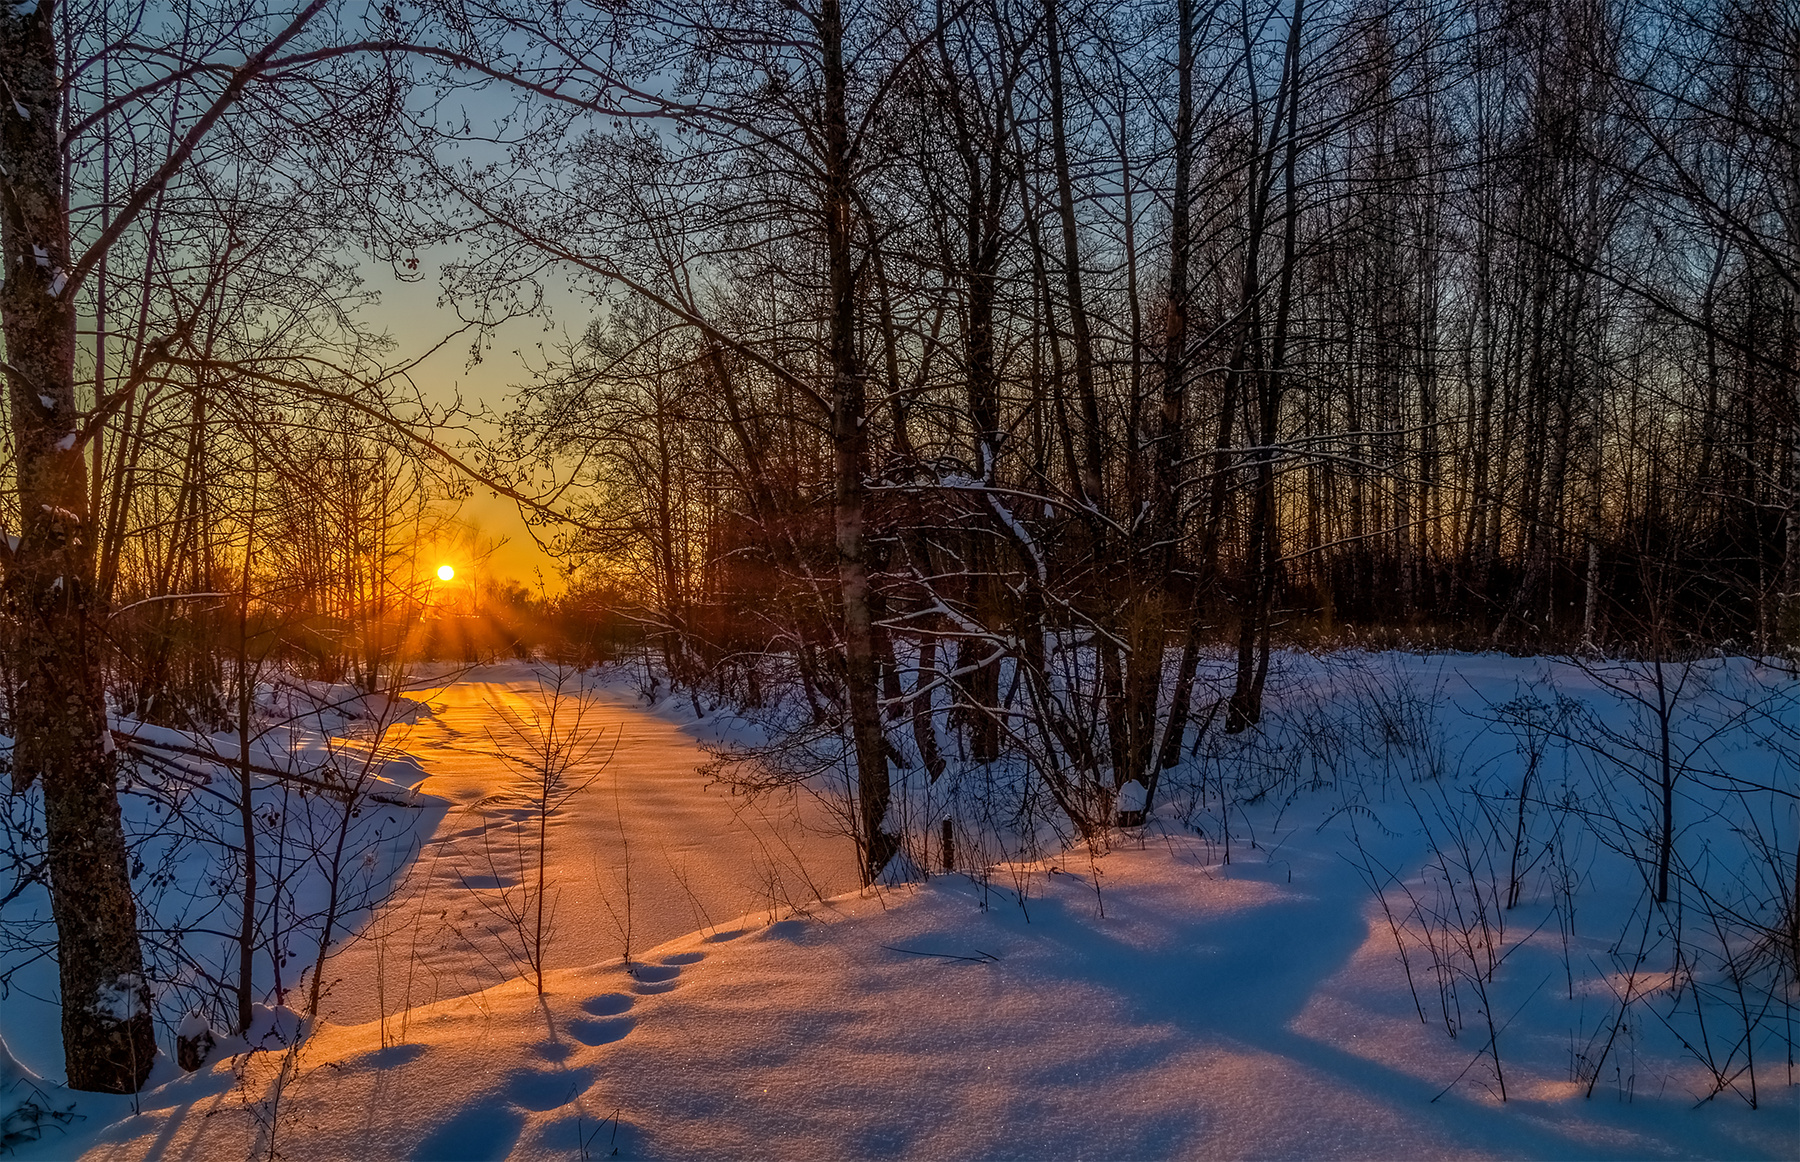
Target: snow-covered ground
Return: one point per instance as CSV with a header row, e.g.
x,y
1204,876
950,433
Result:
x,y
337,822
646,848
1223,982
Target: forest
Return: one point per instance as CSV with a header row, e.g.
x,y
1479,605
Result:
x,y
992,386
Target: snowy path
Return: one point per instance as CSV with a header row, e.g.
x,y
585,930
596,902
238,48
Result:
x,y
696,855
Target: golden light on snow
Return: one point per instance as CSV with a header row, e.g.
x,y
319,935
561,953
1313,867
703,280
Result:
x,y
446,573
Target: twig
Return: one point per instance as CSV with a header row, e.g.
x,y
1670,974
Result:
x,y
980,957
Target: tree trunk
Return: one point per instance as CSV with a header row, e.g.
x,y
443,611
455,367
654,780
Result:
x,y
849,450
1245,708
60,722
246,983
1092,480
1166,555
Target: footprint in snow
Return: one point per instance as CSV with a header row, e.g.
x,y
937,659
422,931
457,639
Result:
x,y
553,1050
603,1031
477,883
650,979
785,930
390,1057
473,1135
541,1090
608,1004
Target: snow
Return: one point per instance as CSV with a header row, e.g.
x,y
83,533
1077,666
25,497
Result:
x,y
181,819
902,869
1213,1010
29,1108
1132,796
1019,533
287,748
121,998
193,1024
331,707
1223,982
648,815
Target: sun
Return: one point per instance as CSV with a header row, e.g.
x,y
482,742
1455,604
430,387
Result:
x,y
446,573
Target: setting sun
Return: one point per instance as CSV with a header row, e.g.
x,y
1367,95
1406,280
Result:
x,y
446,573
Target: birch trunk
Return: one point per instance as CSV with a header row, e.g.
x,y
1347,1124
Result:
x,y
60,720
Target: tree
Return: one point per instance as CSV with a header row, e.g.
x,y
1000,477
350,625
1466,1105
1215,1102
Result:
x,y
85,178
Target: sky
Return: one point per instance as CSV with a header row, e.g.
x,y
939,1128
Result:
x,y
411,314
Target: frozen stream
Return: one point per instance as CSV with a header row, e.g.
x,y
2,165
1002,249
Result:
x,y
695,855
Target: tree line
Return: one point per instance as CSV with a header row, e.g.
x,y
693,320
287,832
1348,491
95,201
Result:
x,y
1046,346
